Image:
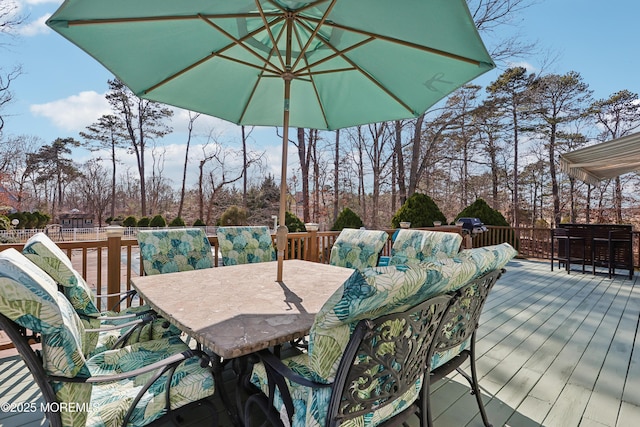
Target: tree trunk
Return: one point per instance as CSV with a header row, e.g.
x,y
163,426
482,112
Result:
x,y
304,170
415,156
336,178
401,176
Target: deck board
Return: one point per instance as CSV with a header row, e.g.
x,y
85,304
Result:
x,y
554,350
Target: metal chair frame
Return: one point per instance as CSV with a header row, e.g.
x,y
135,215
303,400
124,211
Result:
x,y
395,372
458,325
22,339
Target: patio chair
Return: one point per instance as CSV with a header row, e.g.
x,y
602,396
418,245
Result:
x,y
571,248
365,365
414,246
173,250
133,386
358,248
107,328
245,244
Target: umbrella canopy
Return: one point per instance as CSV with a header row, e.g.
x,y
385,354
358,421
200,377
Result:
x,y
323,64
603,161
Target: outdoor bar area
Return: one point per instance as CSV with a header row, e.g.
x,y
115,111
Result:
x,y
593,245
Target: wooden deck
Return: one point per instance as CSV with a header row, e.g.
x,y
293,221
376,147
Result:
x,y
555,350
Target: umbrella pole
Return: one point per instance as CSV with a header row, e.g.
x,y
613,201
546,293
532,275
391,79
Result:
x,y
281,234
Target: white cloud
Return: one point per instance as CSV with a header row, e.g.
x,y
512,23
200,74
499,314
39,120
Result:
x,y
39,2
75,112
524,64
36,27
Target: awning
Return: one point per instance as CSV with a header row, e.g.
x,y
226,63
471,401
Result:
x,y
603,161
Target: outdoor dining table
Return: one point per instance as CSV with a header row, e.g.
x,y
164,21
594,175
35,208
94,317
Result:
x,y
237,310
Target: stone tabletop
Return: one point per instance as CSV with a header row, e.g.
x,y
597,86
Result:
x,y
237,310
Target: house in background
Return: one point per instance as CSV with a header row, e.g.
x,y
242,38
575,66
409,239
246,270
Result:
x,y
75,219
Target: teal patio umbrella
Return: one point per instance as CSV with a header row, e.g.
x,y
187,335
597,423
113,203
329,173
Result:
x,y
324,64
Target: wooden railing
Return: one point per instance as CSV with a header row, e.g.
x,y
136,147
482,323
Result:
x,y
109,263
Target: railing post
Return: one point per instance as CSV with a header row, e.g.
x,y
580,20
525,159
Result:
x,y
114,238
312,229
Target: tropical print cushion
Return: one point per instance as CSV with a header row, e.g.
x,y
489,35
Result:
x,y
414,246
110,402
44,253
484,260
310,406
358,249
489,258
372,293
169,251
29,297
245,245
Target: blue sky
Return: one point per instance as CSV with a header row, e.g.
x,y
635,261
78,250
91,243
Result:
x,y
62,89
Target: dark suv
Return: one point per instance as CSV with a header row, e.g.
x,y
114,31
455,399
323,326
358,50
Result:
x,y
471,225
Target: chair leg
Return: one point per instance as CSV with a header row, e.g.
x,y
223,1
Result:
x,y
426,420
473,382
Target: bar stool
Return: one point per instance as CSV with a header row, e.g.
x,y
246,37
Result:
x,y
566,254
620,251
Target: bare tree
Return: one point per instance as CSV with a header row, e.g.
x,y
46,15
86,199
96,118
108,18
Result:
x,y
509,94
10,20
93,185
619,115
557,100
107,133
192,118
142,120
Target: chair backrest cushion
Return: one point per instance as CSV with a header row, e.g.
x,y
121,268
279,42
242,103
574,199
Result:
x,y
172,250
245,245
414,246
29,297
487,258
358,248
44,253
382,290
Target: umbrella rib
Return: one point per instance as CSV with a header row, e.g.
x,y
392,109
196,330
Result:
x,y
341,53
218,54
401,42
240,41
336,54
311,79
314,32
267,27
123,20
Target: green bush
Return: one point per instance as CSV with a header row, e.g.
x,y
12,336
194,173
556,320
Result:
x,y
177,222
42,219
420,210
5,223
158,221
130,221
293,223
480,209
199,223
347,219
234,215
144,221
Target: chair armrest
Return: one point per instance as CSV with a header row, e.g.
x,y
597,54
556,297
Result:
x,y
276,365
161,367
136,322
106,319
276,374
117,294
